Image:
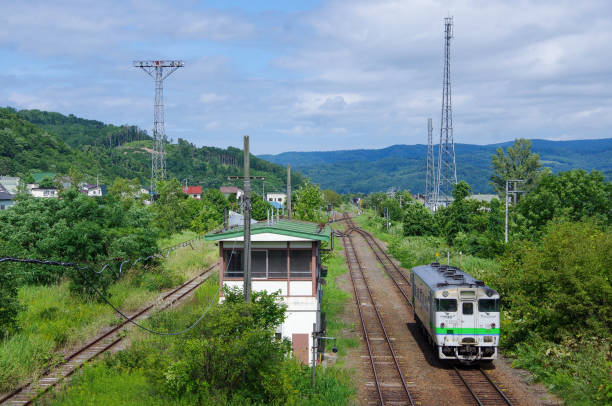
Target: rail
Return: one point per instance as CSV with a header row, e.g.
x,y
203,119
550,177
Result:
x,y
372,323
26,394
484,391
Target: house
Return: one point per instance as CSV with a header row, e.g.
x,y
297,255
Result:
x,y
6,198
285,257
93,190
232,190
193,191
10,183
278,197
42,192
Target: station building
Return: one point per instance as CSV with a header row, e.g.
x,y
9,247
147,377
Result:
x,y
285,257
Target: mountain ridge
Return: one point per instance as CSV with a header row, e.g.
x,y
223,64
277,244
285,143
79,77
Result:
x,y
403,166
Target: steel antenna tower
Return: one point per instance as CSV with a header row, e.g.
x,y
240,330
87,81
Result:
x,y
447,170
430,177
155,69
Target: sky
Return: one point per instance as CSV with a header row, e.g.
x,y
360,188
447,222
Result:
x,y
315,75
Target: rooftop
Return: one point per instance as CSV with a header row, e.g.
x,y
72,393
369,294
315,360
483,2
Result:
x,y
193,190
439,277
38,176
290,228
229,189
4,194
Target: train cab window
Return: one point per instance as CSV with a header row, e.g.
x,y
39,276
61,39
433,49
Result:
x,y
467,308
446,305
488,305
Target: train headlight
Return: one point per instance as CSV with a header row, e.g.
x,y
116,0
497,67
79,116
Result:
x,y
492,325
441,325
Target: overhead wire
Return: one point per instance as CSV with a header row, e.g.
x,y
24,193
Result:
x,y
106,300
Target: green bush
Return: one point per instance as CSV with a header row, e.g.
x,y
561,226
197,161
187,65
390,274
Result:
x,y
560,285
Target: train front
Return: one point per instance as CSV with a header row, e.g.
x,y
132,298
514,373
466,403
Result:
x,y
466,323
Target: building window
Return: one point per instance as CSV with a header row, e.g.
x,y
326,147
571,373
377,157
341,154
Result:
x,y
259,264
299,263
233,264
269,264
277,264
1,207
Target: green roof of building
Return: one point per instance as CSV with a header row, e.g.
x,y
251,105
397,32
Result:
x,y
38,176
292,228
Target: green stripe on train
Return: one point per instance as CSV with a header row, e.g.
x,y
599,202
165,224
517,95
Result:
x,y
467,331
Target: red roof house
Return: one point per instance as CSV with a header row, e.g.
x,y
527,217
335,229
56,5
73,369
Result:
x,y
193,191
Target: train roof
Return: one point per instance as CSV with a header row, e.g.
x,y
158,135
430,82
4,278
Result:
x,y
439,277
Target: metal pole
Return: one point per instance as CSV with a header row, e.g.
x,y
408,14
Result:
x,y
247,222
314,349
506,232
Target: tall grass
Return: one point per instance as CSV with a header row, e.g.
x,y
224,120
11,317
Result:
x,y
54,321
124,378
334,301
176,238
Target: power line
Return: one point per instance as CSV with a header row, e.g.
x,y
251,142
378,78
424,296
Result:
x,y
104,298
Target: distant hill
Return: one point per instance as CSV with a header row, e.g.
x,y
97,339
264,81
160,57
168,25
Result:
x,y
403,166
39,141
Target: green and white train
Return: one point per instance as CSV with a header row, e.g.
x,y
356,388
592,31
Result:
x,y
459,314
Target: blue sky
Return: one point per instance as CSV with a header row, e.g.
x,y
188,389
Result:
x,y
317,75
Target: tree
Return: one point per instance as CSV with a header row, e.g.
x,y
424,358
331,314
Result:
x,y
393,209
457,217
75,177
259,207
9,303
47,183
518,163
575,194
125,189
331,197
171,213
418,220
560,285
307,201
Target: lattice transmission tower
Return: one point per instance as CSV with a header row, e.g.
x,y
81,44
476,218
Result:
x,y
447,170
430,177
155,69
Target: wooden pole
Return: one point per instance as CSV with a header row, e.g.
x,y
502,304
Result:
x,y
247,222
289,192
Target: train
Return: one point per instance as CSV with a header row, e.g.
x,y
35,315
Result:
x,y
458,313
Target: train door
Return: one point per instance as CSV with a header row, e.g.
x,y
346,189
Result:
x,y
468,317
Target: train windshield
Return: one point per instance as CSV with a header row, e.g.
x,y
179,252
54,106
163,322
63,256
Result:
x,y
488,305
446,305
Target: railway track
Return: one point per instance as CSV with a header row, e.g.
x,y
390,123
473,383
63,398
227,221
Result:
x,y
481,388
390,383
108,341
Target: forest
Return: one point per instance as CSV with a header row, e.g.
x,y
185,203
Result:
x,y
39,141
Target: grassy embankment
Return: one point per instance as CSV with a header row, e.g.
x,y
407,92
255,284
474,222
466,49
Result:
x,y
126,378
334,302
53,321
577,368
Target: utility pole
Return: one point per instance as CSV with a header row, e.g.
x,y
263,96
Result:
x,y
246,258
430,175
514,192
289,192
158,156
